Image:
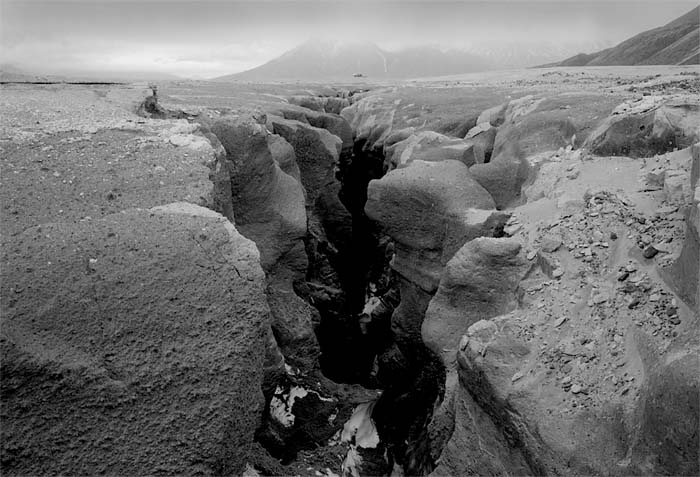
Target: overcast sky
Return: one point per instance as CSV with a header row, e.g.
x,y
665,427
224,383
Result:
x,y
210,38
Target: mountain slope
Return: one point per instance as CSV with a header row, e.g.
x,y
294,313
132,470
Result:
x,y
11,74
319,59
322,60
677,42
328,60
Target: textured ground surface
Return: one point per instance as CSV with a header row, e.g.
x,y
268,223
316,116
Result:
x,y
598,333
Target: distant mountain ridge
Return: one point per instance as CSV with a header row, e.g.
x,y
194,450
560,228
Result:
x,y
327,60
676,43
12,74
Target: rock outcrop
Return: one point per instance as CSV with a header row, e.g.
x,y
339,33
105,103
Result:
x,y
481,281
647,126
372,120
432,147
526,302
332,123
483,135
504,176
477,446
268,204
317,152
633,431
576,388
269,208
328,104
684,273
430,209
495,115
132,344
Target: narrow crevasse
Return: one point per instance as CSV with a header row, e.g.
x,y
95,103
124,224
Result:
x,y
350,280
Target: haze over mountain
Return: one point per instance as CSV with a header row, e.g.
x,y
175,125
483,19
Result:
x,y
155,39
327,60
676,43
10,73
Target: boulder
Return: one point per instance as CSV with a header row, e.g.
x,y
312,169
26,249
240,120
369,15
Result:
x,y
537,132
478,129
476,445
330,122
399,152
317,152
433,147
479,282
372,119
430,209
520,107
397,136
649,126
313,103
132,344
684,274
547,124
503,177
494,116
292,318
563,418
676,185
667,429
408,315
269,207
483,138
221,199
335,105
682,116
489,358
335,218
283,154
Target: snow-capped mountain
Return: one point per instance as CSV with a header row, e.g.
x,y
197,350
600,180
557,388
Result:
x,y
329,60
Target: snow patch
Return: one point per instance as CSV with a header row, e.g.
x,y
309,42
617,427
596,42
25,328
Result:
x,y
282,403
360,428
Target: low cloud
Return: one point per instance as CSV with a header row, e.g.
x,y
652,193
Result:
x,y
211,38
70,56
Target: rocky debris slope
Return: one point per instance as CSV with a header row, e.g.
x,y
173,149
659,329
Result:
x,y
132,344
577,373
